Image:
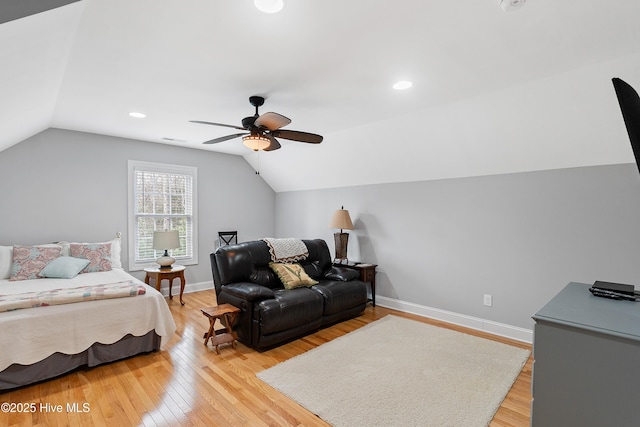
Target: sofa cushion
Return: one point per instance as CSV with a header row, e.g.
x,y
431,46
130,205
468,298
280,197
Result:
x,y
248,291
319,260
342,274
339,296
292,275
265,277
243,262
289,309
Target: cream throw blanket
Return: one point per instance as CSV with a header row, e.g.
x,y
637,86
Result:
x,y
286,250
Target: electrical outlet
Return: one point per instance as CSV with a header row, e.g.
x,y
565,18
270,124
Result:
x,y
488,300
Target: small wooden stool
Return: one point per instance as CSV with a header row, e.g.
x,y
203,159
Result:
x,y
227,315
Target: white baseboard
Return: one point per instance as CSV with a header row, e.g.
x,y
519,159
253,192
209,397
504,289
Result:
x,y
190,287
489,326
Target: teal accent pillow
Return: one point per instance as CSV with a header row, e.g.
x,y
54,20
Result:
x,y
64,267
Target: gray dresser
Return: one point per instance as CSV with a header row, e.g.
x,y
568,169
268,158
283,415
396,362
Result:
x,y
586,369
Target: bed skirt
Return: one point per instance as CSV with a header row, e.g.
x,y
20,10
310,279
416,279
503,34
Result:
x,y
57,364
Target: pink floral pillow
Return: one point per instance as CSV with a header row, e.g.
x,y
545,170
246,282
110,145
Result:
x,y
27,261
98,254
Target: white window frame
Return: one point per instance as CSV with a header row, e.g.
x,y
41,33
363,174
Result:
x,y
135,165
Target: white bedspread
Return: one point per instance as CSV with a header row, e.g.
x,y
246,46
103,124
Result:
x,y
30,335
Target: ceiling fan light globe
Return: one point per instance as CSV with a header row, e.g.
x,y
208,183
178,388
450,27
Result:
x,y
256,142
269,6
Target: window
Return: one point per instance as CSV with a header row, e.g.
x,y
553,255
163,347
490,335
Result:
x,y
161,197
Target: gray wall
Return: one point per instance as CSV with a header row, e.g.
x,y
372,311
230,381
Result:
x,y
519,237
65,185
442,244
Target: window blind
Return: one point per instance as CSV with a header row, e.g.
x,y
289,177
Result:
x,y
163,199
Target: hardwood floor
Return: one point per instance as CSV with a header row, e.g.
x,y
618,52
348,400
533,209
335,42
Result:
x,y
189,384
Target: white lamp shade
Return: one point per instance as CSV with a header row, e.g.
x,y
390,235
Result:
x,y
341,220
163,240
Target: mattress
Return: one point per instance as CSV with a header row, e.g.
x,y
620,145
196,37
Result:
x,y
33,334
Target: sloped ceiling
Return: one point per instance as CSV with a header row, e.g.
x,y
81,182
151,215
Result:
x,y
16,9
493,92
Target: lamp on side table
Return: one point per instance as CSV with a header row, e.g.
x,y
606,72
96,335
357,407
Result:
x,y
163,241
341,220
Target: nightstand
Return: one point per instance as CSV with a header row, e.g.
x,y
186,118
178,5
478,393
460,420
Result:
x,y
367,275
159,274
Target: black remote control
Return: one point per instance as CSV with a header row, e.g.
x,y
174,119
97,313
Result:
x,y
611,294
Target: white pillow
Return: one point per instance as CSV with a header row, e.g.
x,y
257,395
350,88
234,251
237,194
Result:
x,y
66,248
116,251
6,256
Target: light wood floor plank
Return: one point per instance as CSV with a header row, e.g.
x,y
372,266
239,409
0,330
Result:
x,y
188,384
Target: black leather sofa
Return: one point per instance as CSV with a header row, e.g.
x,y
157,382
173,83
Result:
x,y
270,314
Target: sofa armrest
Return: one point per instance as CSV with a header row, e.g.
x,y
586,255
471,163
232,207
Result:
x,y
342,274
248,291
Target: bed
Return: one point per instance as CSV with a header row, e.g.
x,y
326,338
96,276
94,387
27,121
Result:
x,y
43,342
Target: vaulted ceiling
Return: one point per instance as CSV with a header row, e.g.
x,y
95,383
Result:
x,y
493,91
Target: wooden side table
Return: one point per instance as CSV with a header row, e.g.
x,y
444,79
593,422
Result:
x,y
367,275
159,274
227,314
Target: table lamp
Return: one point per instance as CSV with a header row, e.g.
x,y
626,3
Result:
x,y
163,241
341,220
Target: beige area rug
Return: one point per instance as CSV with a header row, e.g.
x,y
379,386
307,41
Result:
x,y
399,372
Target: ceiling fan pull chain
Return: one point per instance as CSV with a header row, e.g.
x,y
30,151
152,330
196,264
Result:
x,y
258,154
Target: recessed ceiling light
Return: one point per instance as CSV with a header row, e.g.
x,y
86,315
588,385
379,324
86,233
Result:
x,y
402,85
137,115
269,6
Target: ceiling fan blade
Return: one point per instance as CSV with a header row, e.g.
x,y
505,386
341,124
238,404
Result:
x,y
295,135
274,144
272,121
224,138
216,124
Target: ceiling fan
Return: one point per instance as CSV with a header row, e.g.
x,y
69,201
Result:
x,y
261,131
